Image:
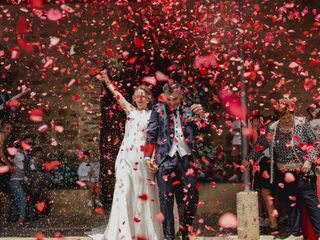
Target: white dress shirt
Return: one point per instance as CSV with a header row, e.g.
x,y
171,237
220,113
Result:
x,y
89,171
179,144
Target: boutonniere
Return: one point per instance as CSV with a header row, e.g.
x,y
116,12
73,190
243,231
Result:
x,y
188,116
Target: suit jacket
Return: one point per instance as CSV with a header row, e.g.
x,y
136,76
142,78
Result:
x,y
160,132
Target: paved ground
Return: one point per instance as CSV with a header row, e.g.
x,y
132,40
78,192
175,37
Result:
x,y
51,226
88,238
75,228
78,226
66,238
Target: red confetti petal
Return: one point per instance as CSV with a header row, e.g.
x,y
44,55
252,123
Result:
x,y
232,104
59,129
162,98
175,183
110,52
58,235
309,83
228,220
159,217
75,97
97,189
141,238
275,213
143,197
12,151
13,103
293,198
213,184
138,42
4,169
40,206
190,172
25,146
36,3
132,60
150,80
205,61
259,148
289,178
21,26
81,184
148,148
265,175
54,14
35,114
40,236
67,8
15,54
50,165
160,76
99,211
43,128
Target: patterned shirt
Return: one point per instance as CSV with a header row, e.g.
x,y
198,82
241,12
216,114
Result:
x,y
283,152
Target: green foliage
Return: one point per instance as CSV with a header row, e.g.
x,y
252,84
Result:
x,y
64,176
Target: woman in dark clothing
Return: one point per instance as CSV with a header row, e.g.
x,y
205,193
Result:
x,y
261,179
290,142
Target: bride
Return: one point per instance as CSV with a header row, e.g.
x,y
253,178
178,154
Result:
x,y
135,202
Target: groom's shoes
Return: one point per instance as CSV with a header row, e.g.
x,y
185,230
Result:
x,y
181,235
178,235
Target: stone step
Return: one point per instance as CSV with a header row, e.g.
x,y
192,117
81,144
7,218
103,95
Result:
x,y
73,202
65,238
49,226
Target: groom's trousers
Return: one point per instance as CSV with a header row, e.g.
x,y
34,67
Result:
x,y
179,181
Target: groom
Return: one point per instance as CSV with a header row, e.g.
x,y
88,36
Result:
x,y
172,130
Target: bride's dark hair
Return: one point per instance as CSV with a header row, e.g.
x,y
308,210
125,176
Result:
x,y
148,93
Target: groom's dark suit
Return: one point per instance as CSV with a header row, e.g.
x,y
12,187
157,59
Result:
x,y
176,174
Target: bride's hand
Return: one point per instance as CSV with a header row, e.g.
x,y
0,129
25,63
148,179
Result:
x,y
103,76
152,166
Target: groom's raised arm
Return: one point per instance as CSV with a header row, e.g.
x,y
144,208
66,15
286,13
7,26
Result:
x,y
152,132
200,118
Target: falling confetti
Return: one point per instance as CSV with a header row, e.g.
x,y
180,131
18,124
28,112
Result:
x,y
227,220
56,50
54,14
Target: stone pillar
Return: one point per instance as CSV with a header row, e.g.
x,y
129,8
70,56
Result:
x,y
248,215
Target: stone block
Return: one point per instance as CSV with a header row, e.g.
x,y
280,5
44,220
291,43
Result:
x,y
248,215
70,202
218,199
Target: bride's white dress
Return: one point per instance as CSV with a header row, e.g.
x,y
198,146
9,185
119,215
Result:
x,y
135,200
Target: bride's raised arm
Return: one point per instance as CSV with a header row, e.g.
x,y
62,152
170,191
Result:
x,y
119,97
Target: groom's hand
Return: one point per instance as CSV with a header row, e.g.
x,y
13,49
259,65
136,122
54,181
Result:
x,y
245,163
197,109
152,165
